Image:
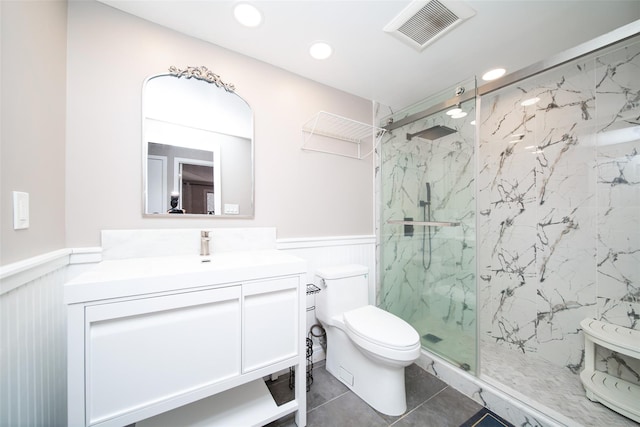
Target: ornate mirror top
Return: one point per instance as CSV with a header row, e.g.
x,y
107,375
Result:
x,y
197,146
201,73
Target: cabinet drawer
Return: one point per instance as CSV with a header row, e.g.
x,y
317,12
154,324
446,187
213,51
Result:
x,y
145,351
271,322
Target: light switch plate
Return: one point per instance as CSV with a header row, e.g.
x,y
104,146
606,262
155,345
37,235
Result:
x,y
20,210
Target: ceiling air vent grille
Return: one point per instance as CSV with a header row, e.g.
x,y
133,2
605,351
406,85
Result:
x,y
428,22
422,22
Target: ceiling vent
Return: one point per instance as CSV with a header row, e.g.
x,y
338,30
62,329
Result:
x,y
423,22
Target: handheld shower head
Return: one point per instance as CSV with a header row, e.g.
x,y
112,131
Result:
x,y
428,193
427,202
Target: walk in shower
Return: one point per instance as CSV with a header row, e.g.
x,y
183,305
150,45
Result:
x,y
497,237
428,223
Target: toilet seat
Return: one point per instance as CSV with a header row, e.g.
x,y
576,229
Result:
x,y
382,333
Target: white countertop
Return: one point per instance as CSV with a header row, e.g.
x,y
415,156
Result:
x,y
140,276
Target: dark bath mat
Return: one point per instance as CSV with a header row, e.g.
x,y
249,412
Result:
x,y
486,418
432,338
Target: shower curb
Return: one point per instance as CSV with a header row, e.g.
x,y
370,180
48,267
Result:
x,y
509,407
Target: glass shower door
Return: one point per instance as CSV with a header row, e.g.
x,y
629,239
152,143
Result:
x,y
427,251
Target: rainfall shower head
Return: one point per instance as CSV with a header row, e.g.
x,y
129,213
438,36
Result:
x,y
432,133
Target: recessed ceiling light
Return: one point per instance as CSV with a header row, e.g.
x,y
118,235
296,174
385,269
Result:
x,y
454,111
320,50
460,115
529,101
247,14
472,122
493,74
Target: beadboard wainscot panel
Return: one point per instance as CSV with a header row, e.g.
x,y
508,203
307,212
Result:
x,y
320,252
33,348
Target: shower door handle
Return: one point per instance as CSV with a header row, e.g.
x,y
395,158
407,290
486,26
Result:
x,y
424,223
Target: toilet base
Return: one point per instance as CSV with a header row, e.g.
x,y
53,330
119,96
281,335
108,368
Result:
x,y
381,386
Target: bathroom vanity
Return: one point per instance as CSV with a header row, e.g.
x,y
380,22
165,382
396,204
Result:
x,y
185,340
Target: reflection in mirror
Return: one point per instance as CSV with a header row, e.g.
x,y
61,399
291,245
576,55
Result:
x,y
197,146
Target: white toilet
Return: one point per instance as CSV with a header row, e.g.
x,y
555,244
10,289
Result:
x,y
367,347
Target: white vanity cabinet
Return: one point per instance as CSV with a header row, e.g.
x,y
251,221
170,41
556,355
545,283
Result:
x,y
140,351
152,349
270,310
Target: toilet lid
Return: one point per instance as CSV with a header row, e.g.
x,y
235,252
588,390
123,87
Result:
x,y
381,327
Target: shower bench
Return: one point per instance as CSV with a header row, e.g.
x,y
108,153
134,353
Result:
x,y
620,395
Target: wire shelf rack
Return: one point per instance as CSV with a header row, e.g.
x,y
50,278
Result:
x,y
363,137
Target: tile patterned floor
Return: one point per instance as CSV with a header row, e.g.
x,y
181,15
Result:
x,y
430,402
552,386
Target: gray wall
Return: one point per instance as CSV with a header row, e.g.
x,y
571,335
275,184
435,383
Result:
x,y
110,54
32,147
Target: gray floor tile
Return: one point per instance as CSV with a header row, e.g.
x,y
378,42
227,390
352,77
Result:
x,y
430,403
347,410
449,408
280,390
288,421
325,387
420,386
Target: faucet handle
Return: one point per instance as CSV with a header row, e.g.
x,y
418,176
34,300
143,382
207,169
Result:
x,y
204,243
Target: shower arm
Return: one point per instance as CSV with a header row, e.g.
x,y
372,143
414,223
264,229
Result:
x,y
424,223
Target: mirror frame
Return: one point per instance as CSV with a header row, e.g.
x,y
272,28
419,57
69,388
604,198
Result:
x,y
199,73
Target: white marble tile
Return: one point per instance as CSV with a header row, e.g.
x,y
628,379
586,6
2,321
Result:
x,y
558,231
617,365
551,389
428,279
564,219
509,407
121,244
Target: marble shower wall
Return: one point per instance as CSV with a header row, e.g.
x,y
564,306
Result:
x,y
434,290
559,208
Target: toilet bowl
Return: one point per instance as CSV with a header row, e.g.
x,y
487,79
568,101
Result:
x,y
367,347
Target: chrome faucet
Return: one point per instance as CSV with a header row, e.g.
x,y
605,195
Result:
x,y
204,243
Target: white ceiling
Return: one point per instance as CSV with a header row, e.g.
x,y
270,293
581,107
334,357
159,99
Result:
x,y
375,65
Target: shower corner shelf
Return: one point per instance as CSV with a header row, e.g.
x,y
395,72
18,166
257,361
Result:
x,y
330,128
620,395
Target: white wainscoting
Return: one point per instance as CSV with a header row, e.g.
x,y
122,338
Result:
x,y
33,371
33,331
331,251
33,354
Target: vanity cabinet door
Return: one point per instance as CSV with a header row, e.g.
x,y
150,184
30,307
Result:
x,y
146,351
270,326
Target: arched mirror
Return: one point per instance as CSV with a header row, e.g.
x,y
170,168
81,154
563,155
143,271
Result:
x,y
197,146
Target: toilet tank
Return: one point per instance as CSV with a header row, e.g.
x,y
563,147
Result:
x,y
343,288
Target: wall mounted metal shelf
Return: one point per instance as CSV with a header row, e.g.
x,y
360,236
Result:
x,y
327,133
